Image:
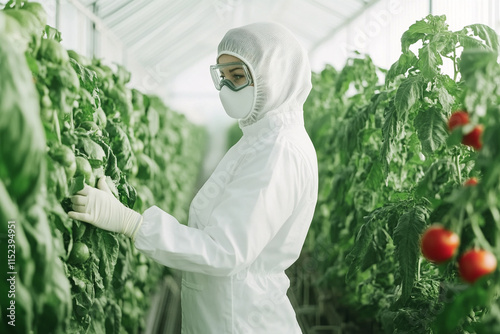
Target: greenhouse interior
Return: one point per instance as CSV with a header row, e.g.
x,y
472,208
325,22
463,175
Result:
x,y
231,166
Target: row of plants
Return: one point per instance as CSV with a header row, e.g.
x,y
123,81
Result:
x,y
67,120
404,152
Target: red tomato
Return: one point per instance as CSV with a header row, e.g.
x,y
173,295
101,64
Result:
x,y
475,264
439,244
473,138
458,118
471,182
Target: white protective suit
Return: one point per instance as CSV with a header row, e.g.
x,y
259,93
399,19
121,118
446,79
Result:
x,y
248,223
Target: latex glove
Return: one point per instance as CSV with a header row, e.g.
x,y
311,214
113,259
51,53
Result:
x,y
99,207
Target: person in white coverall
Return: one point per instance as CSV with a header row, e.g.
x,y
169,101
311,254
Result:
x,y
248,223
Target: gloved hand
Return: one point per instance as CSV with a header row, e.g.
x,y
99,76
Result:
x,y
99,207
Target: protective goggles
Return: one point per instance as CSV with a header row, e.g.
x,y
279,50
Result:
x,y
234,75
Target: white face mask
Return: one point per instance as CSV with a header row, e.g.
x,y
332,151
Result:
x,y
238,104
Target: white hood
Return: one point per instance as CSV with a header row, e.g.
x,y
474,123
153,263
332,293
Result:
x,y
279,66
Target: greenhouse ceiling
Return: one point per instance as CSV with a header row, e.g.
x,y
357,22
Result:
x,y
175,34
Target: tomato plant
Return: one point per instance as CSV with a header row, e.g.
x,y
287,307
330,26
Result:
x,y
476,263
391,164
439,244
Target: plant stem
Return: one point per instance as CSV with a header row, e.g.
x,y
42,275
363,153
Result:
x,y
457,165
455,69
418,268
480,238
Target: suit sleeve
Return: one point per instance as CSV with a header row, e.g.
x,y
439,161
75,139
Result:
x,y
255,203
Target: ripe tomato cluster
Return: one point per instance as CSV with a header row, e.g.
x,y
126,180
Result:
x,y
439,245
473,138
471,182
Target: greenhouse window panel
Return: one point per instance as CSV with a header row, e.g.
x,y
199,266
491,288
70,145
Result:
x,y
178,57
137,33
199,47
110,8
145,21
163,19
121,17
344,8
341,25
327,8
176,35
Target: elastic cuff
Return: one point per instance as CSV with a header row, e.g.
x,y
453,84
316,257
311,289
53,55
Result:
x,y
136,227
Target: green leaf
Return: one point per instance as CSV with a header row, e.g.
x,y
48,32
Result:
x,y
429,61
455,138
421,29
113,318
430,124
76,184
147,167
390,130
122,75
361,247
487,34
22,147
56,179
438,174
461,306
469,42
438,23
375,178
349,133
111,167
370,236
490,323
153,121
86,76
445,98
406,239
407,95
421,26
94,151
95,274
127,192
414,33
57,305
120,144
108,254
53,33
476,60
406,61
371,256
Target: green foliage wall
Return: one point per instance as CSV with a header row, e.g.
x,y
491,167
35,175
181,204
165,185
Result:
x,y
66,120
